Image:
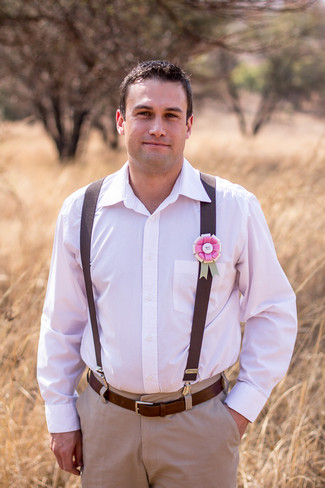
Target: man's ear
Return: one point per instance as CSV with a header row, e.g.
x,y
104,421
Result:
x,y
189,124
119,122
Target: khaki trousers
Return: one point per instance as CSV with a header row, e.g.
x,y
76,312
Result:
x,y
193,449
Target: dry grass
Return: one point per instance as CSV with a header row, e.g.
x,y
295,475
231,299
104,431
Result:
x,y
284,167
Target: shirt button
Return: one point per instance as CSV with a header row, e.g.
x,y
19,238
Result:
x,y
149,338
149,378
148,297
150,256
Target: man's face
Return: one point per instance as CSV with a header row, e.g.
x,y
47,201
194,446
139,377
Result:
x,y
155,126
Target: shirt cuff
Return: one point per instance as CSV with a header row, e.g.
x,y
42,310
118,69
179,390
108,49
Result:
x,y
62,418
246,400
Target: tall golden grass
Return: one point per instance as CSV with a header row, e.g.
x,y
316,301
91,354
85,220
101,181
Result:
x,y
284,167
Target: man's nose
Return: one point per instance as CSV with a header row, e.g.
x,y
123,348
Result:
x,y
157,128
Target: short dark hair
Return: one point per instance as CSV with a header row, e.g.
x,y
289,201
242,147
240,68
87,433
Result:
x,y
160,70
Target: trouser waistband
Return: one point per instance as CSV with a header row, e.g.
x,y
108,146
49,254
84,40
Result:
x,y
147,405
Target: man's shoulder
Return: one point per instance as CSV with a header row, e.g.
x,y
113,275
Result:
x,y
74,202
232,191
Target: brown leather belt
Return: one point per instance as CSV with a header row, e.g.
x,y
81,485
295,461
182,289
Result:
x,y
149,409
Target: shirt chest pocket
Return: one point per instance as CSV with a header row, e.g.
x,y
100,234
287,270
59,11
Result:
x,y
184,287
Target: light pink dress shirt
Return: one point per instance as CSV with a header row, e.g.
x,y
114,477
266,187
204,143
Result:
x,y
144,276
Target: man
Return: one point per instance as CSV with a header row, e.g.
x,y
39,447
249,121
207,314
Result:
x,y
144,277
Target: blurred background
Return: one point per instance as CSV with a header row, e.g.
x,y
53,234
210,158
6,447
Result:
x,y
258,75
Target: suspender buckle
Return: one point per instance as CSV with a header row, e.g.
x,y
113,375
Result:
x,y
100,372
186,389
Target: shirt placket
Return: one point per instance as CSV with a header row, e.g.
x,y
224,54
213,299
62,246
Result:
x,y
150,304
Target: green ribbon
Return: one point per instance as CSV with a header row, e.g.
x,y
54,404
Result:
x,y
205,268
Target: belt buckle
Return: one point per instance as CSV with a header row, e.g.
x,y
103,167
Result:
x,y
138,403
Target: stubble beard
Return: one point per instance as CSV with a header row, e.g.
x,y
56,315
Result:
x,y
154,165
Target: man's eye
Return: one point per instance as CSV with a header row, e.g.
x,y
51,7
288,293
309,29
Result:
x,y
144,114
171,116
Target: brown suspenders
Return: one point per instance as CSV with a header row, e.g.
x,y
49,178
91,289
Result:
x,y
203,287
86,227
207,226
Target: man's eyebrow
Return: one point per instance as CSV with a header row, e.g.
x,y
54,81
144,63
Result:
x,y
149,107
140,107
174,109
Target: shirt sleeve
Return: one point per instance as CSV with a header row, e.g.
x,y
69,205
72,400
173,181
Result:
x,y
65,314
268,308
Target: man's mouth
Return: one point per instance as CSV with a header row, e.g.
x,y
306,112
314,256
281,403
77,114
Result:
x,y
156,144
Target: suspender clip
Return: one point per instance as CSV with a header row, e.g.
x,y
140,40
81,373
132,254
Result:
x,y
186,389
100,372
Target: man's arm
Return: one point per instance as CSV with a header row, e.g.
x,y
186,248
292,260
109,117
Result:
x,y
268,310
67,447
64,318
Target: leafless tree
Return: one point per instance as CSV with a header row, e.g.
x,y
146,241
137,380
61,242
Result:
x,y
65,59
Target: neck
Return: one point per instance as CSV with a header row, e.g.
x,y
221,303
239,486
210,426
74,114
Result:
x,y
152,189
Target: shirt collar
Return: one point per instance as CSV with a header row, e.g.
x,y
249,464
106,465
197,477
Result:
x,y
116,185
188,184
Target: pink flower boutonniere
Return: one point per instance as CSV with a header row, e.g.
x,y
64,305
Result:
x,y
207,250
